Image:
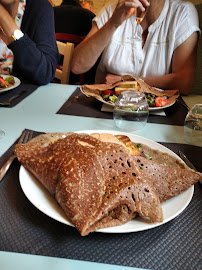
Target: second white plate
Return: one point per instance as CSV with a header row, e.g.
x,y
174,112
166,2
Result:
x,y
150,108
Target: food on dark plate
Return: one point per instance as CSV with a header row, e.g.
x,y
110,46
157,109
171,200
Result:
x,y
98,181
109,93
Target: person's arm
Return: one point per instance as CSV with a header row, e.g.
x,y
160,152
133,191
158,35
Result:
x,y
35,54
7,23
183,68
88,51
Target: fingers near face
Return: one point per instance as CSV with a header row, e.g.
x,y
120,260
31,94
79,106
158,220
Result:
x,y
142,4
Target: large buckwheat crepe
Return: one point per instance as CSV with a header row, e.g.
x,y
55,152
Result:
x,y
96,181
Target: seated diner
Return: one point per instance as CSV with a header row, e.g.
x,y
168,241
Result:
x,y
163,54
28,47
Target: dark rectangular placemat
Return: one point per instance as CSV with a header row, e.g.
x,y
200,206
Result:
x,y
80,105
24,90
174,245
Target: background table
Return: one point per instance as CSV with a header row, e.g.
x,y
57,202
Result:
x,y
39,110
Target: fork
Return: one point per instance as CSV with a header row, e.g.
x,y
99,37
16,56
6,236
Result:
x,y
24,138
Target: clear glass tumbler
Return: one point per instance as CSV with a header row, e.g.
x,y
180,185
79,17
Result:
x,y
131,111
193,125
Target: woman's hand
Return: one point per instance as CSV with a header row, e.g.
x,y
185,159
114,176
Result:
x,y
125,8
11,6
7,22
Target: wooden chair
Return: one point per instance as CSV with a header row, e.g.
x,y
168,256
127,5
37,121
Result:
x,y
82,78
66,50
65,37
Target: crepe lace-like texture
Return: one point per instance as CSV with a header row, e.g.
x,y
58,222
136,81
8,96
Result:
x,y
168,182
96,183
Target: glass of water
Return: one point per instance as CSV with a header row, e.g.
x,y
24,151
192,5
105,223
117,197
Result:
x,y
193,125
131,111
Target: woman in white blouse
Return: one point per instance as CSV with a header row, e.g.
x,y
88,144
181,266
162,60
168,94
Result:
x,y
166,57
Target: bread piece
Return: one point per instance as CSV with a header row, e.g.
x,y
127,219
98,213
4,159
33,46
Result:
x,y
145,88
118,139
128,84
106,137
129,145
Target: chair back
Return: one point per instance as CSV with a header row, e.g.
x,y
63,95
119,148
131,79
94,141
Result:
x,y
65,37
66,50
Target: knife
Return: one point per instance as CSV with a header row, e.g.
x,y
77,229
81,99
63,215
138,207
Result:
x,y
8,102
73,98
187,162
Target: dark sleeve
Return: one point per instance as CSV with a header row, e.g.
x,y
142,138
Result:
x,y
36,54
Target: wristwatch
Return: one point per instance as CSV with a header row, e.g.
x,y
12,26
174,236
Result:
x,y
17,34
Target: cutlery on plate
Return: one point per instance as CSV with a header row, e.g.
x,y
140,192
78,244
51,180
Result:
x,y
8,102
24,138
188,162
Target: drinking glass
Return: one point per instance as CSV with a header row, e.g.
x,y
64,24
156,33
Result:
x,y
193,125
131,111
139,16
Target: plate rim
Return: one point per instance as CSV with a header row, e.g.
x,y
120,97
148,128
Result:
x,y
151,109
116,229
17,83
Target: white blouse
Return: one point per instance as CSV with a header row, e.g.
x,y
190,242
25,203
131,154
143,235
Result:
x,y
124,55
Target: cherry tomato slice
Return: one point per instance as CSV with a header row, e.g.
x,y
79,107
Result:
x,y
3,81
160,102
108,92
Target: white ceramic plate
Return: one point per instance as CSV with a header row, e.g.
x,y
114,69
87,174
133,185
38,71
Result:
x,y
41,199
150,109
17,82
